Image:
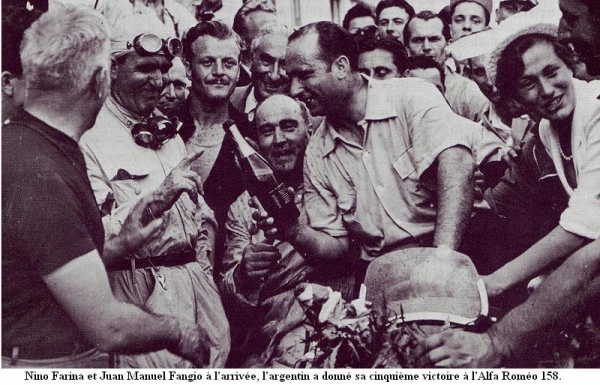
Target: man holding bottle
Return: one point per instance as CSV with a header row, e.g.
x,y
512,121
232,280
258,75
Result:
x,y
260,276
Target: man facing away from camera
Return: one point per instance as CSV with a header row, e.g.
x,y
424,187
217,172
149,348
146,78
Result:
x,y
57,307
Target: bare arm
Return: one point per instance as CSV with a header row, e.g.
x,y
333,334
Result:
x,y
314,244
81,287
455,190
560,298
550,249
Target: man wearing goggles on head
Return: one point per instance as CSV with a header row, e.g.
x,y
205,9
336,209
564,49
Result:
x,y
133,152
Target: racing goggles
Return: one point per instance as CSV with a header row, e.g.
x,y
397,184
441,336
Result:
x,y
151,44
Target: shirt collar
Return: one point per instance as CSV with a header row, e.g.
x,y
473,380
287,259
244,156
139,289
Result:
x,y
251,104
379,107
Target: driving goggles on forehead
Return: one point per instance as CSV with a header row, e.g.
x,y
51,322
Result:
x,y
151,44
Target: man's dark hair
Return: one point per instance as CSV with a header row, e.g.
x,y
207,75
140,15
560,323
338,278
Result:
x,y
15,20
426,15
386,43
334,41
212,28
485,11
510,64
425,62
359,10
383,4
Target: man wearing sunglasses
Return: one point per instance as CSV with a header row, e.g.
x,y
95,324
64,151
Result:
x,y
134,153
359,20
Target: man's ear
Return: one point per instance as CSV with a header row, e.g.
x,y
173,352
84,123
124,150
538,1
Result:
x,y
188,68
100,82
406,74
341,67
114,67
7,84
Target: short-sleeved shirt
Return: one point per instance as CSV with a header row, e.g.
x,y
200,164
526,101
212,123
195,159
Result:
x,y
376,191
49,218
464,96
582,216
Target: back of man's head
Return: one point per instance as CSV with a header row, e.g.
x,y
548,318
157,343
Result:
x,y
64,48
212,28
383,4
359,10
333,42
426,63
426,15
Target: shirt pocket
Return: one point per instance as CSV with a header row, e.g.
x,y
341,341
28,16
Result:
x,y
128,184
404,165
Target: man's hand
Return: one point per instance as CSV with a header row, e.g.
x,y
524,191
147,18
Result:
x,y
181,179
454,348
257,260
493,285
194,345
134,232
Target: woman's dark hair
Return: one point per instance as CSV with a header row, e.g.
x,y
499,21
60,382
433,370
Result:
x,y
511,67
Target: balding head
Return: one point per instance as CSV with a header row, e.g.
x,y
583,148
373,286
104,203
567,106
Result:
x,y
282,132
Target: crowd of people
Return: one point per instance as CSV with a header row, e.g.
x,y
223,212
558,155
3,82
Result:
x,y
129,237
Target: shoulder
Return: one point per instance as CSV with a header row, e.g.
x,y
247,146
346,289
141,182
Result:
x,y
238,98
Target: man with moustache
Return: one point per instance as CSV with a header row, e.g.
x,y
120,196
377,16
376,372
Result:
x,y
212,57
427,35
129,159
569,291
260,277
377,170
268,70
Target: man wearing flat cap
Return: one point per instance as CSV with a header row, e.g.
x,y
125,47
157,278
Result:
x,y
132,152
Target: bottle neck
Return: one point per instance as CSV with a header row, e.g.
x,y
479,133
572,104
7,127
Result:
x,y
245,149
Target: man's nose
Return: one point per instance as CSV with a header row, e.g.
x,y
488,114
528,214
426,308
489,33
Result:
x,y
170,91
564,30
274,73
279,136
156,78
547,88
295,88
426,45
218,69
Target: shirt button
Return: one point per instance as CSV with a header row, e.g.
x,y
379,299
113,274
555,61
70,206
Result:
x,y
137,190
380,188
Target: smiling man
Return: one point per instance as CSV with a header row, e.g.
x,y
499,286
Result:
x,y
268,70
127,159
260,277
355,188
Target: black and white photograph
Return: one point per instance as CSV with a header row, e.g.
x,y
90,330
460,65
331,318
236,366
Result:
x,y
300,185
